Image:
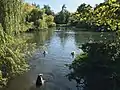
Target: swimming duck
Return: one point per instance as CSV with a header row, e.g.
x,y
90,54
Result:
x,y
73,53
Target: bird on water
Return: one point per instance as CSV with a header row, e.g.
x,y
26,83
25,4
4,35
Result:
x,y
40,81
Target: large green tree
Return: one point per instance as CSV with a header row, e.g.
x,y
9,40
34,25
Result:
x,y
63,16
40,18
12,54
98,67
11,15
48,10
104,17
107,15
83,16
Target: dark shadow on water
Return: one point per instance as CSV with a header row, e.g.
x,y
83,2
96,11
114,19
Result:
x,y
36,88
98,68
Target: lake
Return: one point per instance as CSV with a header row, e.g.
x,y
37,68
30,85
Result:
x,y
59,43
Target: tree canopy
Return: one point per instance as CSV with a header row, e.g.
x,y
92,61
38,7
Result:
x,y
48,10
62,17
104,16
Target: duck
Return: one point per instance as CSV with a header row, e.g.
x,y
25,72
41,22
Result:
x,y
45,52
40,81
73,53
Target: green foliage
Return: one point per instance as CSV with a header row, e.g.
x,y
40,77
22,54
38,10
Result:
x,y
83,16
10,20
63,16
50,21
84,8
39,18
98,67
41,24
12,54
48,10
16,17
107,14
104,16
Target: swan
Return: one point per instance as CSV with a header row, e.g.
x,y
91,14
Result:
x,y
40,81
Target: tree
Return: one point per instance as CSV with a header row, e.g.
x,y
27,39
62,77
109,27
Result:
x,y
107,15
11,15
63,8
98,67
12,54
104,17
81,8
48,10
50,21
39,19
63,16
36,5
83,17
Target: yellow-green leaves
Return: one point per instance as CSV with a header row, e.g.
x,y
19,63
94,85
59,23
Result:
x,y
12,48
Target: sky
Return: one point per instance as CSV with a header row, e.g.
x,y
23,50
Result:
x,y
70,4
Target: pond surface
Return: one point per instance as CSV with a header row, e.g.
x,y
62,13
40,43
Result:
x,y
58,43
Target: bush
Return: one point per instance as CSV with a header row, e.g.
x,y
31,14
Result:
x,y
12,56
98,68
50,21
41,24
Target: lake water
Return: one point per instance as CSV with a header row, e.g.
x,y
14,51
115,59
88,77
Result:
x,y
59,43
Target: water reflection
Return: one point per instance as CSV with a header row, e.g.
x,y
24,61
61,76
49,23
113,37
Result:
x,y
84,37
59,43
40,37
